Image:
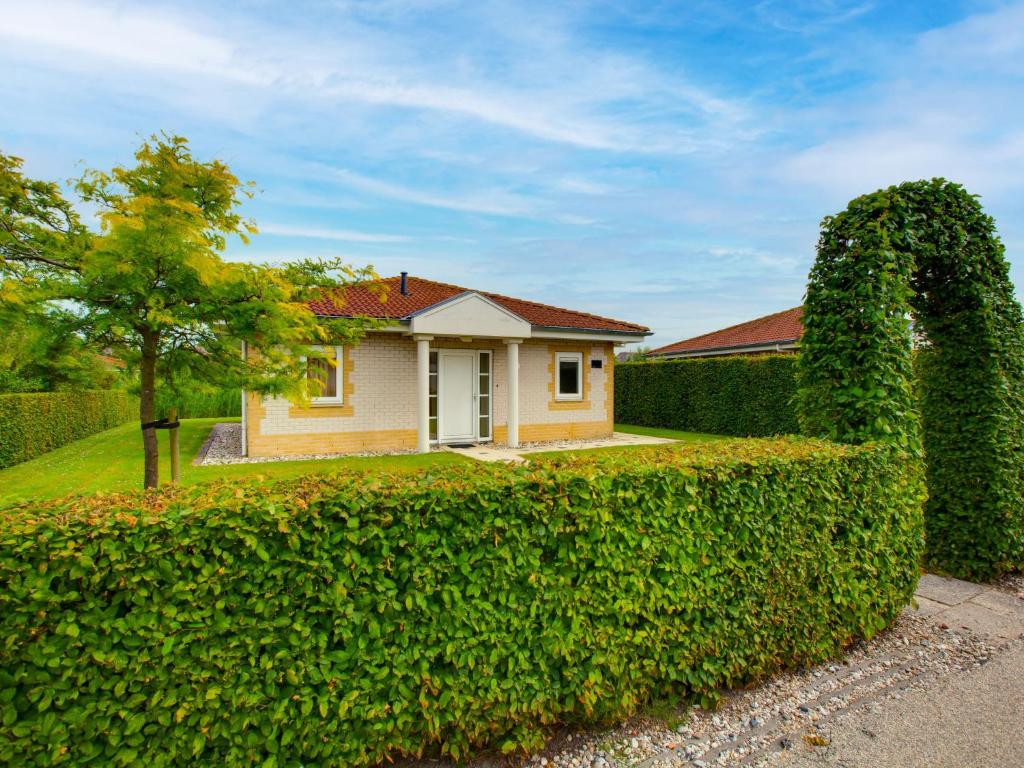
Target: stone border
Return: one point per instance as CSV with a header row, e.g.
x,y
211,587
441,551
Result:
x,y
204,449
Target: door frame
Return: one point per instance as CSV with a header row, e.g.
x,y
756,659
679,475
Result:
x,y
475,353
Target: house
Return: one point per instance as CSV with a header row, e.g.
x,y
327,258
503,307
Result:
x,y
773,333
452,365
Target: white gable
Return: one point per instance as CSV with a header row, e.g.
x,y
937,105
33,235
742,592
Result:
x,y
470,314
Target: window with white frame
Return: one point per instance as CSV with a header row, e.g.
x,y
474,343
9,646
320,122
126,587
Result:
x,y
484,385
326,376
569,373
432,417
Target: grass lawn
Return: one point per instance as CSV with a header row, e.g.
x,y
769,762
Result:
x,y
673,434
112,461
688,438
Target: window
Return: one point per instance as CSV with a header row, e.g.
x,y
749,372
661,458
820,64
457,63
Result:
x,y
326,377
569,370
485,395
432,418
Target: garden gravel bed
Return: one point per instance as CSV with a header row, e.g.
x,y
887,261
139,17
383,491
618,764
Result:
x,y
224,446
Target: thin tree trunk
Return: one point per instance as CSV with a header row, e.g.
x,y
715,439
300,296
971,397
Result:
x,y
147,407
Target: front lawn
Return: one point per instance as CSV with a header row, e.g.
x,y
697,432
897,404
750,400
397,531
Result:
x,y
672,434
112,461
685,438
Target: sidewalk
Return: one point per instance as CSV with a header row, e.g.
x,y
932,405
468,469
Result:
x,y
967,720
971,719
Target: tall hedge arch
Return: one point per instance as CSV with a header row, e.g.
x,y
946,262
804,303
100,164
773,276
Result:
x,y
924,258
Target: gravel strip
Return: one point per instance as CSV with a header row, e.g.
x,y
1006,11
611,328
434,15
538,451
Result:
x,y
225,447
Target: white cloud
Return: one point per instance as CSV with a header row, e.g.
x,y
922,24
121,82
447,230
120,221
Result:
x,y
317,233
132,36
494,202
575,99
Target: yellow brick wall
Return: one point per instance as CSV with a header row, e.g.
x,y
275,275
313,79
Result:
x,y
379,410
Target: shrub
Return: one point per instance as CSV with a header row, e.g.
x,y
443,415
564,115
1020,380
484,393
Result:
x,y
741,396
346,619
200,404
924,254
32,424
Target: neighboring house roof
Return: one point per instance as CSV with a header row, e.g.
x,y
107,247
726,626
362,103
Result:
x,y
368,300
782,328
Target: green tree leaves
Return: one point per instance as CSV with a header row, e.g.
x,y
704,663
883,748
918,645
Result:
x,y
151,283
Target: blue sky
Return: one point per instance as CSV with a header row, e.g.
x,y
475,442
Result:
x,y
664,163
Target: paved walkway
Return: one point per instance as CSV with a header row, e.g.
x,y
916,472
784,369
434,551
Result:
x,y
490,452
968,719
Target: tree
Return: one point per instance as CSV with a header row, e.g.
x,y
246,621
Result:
x,y
151,283
38,353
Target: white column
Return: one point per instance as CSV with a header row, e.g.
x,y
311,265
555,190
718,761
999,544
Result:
x,y
423,394
512,364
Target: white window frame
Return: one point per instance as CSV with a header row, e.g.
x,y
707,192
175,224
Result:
x,y
489,394
339,378
575,357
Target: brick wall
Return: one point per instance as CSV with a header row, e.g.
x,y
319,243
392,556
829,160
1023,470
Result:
x,y
379,408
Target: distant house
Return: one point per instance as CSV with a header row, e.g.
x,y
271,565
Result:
x,y
452,365
780,332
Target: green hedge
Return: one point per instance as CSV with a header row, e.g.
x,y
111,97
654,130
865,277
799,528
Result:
x,y
342,620
923,258
198,404
32,424
741,396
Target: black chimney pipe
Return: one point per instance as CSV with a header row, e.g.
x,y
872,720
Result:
x,y
405,284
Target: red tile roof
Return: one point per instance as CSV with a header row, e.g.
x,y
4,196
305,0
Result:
x,y
772,329
368,299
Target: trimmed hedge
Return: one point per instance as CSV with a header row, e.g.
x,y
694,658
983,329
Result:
x,y
924,254
346,619
34,423
199,404
742,396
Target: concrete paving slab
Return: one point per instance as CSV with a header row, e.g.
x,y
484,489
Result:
x,y
1000,602
984,621
947,591
926,607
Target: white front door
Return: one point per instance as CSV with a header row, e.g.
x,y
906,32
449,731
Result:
x,y
457,414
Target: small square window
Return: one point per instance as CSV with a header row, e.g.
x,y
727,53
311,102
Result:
x,y
325,377
569,370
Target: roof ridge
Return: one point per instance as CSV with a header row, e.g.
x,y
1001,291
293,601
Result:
x,y
490,294
535,312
